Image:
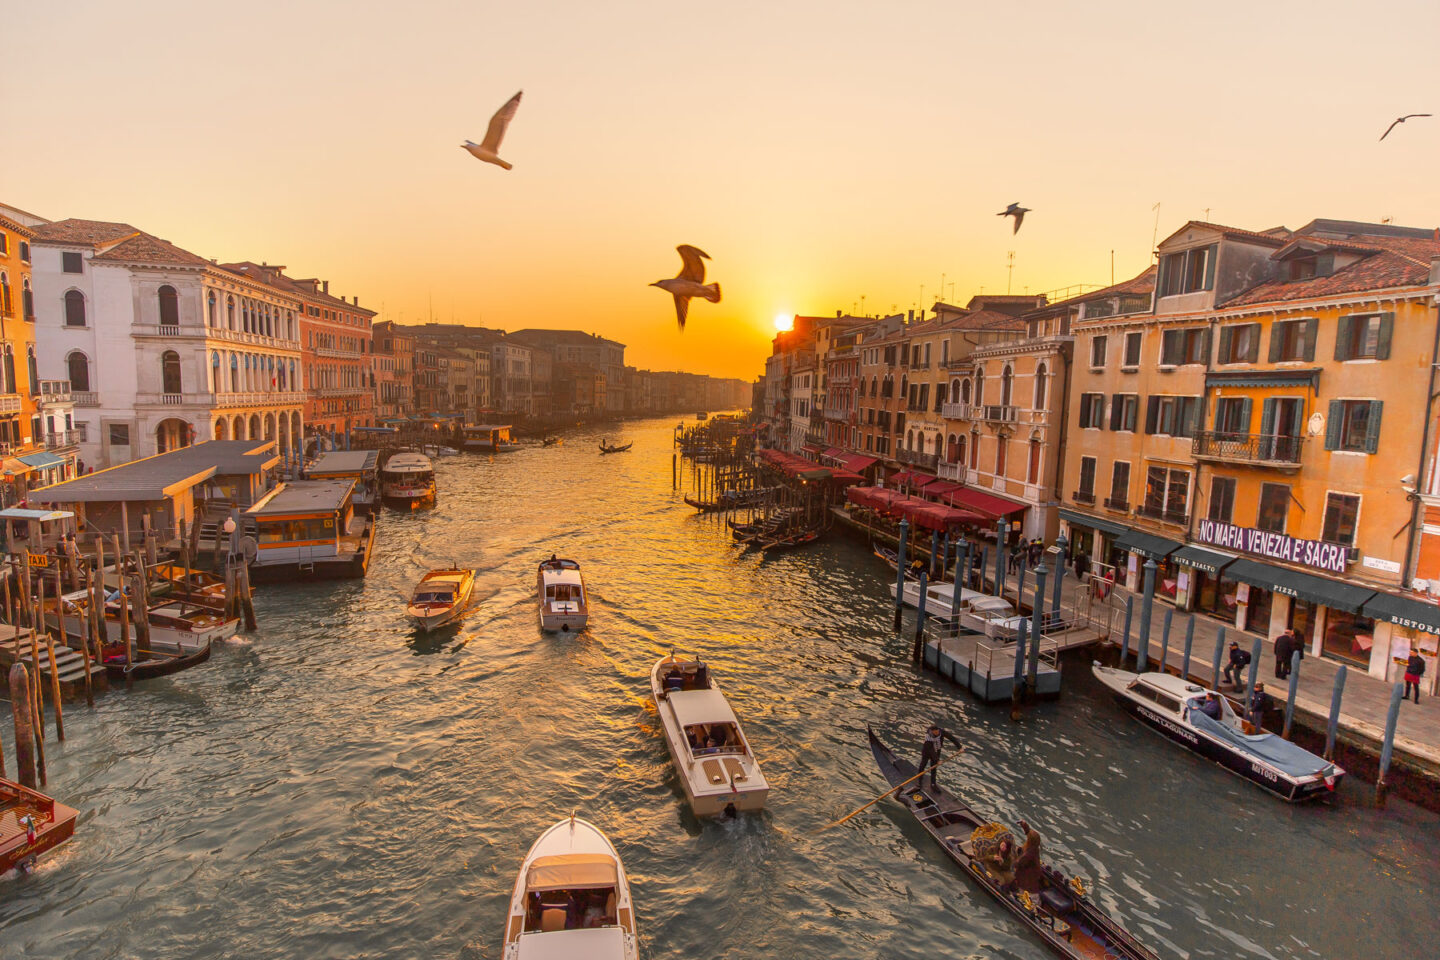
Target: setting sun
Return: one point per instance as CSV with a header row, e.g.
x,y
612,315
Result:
x,y
784,321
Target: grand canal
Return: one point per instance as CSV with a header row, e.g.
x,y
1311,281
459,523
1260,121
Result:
x,y
336,787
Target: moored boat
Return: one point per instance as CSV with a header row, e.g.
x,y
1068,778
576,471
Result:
x,y
30,824
440,597
564,605
571,899
712,757
489,438
177,628
1053,906
407,481
550,441
146,663
1170,706
309,530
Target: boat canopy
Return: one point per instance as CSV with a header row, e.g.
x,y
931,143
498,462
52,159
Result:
x,y
1276,751
701,706
570,871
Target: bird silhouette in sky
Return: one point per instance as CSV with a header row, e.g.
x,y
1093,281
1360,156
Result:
x,y
690,282
1016,211
489,148
1399,120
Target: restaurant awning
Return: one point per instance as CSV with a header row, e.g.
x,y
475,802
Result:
x,y
1202,559
833,453
1147,544
1292,583
854,461
42,460
1415,614
940,488
985,503
12,467
922,480
901,478
1097,523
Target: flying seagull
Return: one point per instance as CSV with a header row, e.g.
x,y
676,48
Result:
x,y
690,282
489,149
1400,120
1016,211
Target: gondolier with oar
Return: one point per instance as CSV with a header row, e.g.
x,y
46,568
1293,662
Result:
x,y
935,737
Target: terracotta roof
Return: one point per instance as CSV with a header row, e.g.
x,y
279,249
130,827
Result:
x,y
15,226
1274,237
89,232
986,320
1144,282
143,248
1393,262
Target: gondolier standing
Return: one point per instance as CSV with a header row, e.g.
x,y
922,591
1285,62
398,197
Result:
x,y
930,750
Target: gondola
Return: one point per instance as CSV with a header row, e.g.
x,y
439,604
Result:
x,y
1053,906
892,560
789,541
621,449
549,441
149,664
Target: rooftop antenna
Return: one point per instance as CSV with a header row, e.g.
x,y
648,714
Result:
x,y
1112,266
952,293
1155,234
1009,270
1207,214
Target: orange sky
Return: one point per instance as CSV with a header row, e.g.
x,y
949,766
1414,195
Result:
x,y
818,151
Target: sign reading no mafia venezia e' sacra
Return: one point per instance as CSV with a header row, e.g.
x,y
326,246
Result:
x,y
1276,546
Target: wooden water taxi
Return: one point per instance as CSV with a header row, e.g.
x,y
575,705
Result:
x,y
441,597
358,465
717,769
407,481
309,530
489,438
177,627
564,604
1051,905
551,441
1170,706
571,899
30,824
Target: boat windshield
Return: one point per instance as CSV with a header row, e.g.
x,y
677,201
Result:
x,y
563,592
712,738
434,596
571,908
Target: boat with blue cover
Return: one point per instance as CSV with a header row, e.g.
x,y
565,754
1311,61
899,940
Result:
x,y
1170,706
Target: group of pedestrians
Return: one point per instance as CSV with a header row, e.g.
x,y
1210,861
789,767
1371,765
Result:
x,y
1026,553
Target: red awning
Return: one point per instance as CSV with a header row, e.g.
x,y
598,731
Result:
x,y
940,488
901,478
846,476
855,462
922,480
833,453
936,517
985,503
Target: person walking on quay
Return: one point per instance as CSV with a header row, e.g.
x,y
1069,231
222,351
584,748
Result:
x,y
1017,556
1082,565
930,750
1037,547
1414,670
1235,668
1284,647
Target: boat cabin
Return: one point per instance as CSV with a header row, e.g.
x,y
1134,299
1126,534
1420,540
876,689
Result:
x,y
571,891
1173,695
487,436
562,582
362,466
309,526
38,531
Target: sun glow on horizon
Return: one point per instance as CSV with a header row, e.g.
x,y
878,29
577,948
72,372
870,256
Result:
x,y
784,321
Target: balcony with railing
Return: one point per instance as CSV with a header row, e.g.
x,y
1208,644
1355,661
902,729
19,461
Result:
x,y
85,398
9,403
955,411
996,413
1159,512
837,413
954,472
925,461
54,391
1083,496
1118,503
1270,450
60,439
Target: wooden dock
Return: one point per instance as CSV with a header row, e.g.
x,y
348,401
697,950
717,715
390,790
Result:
x,y
16,644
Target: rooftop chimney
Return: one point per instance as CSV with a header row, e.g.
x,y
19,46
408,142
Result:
x,y
356,300
325,286
909,316
837,313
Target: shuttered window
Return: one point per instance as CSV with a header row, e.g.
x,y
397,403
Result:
x,y
1239,343
1364,336
1354,425
1092,410
1293,340
1087,478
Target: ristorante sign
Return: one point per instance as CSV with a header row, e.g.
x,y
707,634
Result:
x,y
1276,546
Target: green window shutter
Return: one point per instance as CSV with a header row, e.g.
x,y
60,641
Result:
x,y
1312,331
1152,413
1275,340
1342,338
1387,321
1117,411
1267,417
1332,425
1227,334
1372,436
1253,354
1084,410
1245,414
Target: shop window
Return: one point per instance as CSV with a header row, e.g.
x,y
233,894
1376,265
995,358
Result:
x,y
1239,343
1124,411
1092,410
1222,499
1293,340
1119,486
71,262
1349,636
1097,352
1354,425
1132,349
1086,491
1274,507
1184,346
1342,510
1364,337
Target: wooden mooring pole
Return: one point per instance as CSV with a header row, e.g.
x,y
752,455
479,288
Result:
x,y
26,770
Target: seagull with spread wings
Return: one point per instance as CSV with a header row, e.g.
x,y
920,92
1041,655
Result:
x,y
1399,120
690,282
1016,211
489,148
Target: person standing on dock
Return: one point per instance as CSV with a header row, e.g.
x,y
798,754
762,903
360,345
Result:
x,y
1235,668
1284,647
1414,670
1255,709
930,750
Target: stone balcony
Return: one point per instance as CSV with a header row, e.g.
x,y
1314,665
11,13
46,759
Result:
x,y
9,403
925,461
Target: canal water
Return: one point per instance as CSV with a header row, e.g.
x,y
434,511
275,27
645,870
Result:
x,y
335,786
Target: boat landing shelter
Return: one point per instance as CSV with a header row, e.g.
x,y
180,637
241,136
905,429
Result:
x,y
166,488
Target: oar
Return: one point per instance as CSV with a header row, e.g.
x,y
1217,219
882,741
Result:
x,y
894,789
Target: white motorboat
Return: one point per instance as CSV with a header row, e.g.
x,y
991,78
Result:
x,y
938,597
564,605
436,450
440,597
994,617
716,766
571,899
1171,707
408,480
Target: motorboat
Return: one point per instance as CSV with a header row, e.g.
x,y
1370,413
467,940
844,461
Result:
x,y
551,441
1170,706
489,438
440,597
940,596
994,617
438,450
177,627
571,899
408,481
717,769
564,605
1055,907
30,824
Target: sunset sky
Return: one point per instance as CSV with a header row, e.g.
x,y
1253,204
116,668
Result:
x,y
818,151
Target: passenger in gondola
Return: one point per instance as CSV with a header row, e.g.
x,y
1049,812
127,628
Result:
x,y
1001,861
930,750
1027,863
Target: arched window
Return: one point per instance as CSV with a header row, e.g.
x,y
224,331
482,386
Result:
x,y
216,383
910,440
959,449
211,308
230,312
33,370
28,300
10,373
1032,473
74,308
974,450
169,306
289,324
1007,380
1041,374
979,387
965,391
5,304
78,367
170,372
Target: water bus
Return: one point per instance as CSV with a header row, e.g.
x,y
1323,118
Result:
x,y
309,530
358,465
564,605
407,481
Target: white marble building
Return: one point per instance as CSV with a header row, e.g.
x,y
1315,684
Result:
x,y
162,348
